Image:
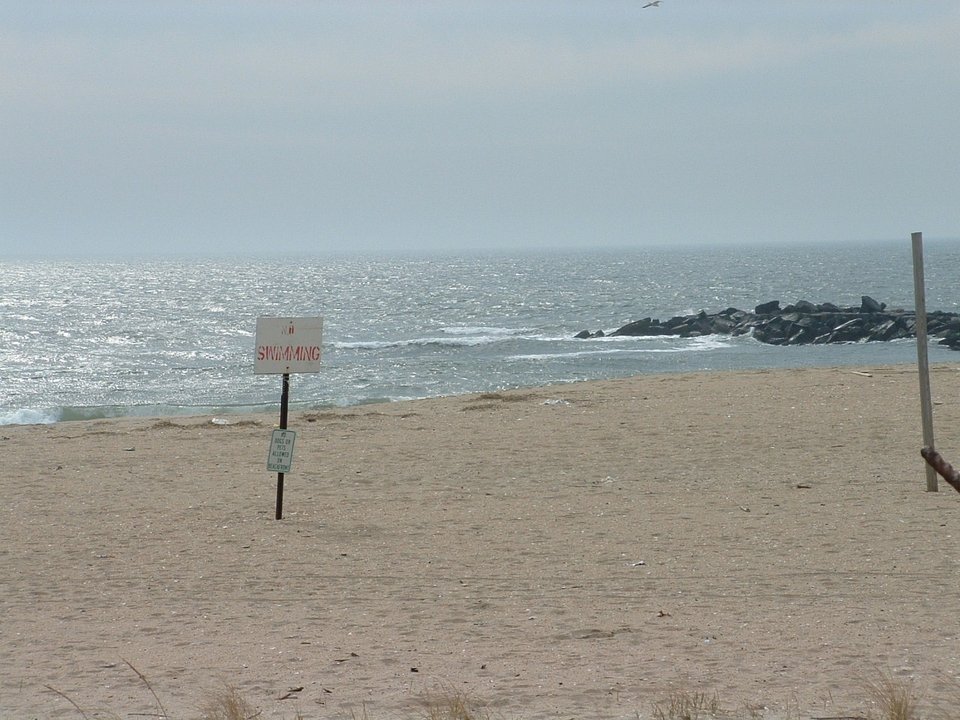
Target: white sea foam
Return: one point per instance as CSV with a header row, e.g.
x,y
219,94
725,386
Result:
x,y
30,416
673,345
485,331
461,340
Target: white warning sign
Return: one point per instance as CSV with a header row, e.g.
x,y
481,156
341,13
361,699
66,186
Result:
x,y
288,345
280,458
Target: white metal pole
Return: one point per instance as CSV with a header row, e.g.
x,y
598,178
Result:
x,y
923,367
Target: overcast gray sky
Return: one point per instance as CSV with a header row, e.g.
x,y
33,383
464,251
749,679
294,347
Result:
x,y
308,127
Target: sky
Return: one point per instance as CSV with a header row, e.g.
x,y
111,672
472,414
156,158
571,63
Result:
x,y
284,128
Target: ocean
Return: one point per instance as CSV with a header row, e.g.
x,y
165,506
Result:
x,y
85,339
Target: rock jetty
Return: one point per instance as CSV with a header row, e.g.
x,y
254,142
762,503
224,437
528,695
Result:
x,y
802,323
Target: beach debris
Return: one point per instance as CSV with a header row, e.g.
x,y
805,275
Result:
x,y
219,421
803,486
663,614
129,449
292,692
943,468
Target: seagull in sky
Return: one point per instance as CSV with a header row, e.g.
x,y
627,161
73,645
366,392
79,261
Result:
x,y
652,3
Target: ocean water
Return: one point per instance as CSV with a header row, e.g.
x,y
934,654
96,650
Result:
x,y
93,339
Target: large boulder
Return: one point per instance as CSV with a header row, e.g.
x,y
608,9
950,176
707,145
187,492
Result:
x,y
646,326
801,306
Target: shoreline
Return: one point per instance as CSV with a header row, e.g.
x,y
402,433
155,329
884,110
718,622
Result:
x,y
574,550
40,416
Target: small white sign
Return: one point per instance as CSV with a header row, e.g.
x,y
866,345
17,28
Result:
x,y
280,458
288,345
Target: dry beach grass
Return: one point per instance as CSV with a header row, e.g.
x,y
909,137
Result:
x,y
761,540
889,699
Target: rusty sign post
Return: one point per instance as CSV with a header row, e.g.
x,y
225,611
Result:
x,y
286,345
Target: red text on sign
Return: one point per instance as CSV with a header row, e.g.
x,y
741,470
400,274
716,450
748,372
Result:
x,y
289,353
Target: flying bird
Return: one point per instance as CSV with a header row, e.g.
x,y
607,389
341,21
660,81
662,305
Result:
x,y
652,3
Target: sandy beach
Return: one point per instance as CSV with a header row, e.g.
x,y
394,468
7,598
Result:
x,y
574,551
